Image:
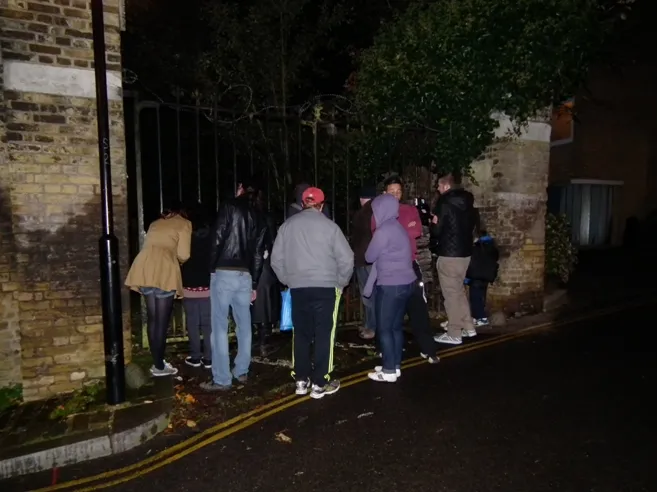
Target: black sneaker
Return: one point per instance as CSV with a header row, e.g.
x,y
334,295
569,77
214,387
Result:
x,y
190,361
207,363
431,360
328,389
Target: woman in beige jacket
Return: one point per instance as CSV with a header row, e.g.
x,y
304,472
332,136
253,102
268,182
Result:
x,y
155,273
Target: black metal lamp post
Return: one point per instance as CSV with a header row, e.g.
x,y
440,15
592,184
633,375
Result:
x,y
110,281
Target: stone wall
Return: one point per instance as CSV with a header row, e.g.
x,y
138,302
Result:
x,y
510,189
50,197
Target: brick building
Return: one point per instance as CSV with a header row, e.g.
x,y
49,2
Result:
x,y
50,315
603,167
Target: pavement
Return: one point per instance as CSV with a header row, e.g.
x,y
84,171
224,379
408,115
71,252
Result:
x,y
567,408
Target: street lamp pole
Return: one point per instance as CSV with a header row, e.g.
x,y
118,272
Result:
x,y
110,281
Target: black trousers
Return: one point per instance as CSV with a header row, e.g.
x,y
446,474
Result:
x,y
314,316
418,314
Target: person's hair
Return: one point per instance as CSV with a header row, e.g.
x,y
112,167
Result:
x,y
174,207
252,191
313,205
453,178
391,180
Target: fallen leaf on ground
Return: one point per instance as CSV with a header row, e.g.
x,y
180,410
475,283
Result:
x,y
366,414
191,423
283,438
190,399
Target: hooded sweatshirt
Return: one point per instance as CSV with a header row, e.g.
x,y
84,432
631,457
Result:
x,y
410,220
390,248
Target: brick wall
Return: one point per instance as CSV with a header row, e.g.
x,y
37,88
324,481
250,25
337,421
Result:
x,y
51,194
615,139
10,370
510,190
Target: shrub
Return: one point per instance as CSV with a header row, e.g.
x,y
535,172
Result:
x,y
560,253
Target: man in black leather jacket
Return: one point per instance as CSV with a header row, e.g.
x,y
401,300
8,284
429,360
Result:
x,y
451,240
236,264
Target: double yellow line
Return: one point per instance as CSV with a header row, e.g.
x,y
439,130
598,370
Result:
x,y
225,429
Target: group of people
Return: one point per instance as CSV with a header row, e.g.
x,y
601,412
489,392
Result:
x,y
241,259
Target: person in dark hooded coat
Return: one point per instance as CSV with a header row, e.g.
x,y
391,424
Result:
x,y
297,206
266,309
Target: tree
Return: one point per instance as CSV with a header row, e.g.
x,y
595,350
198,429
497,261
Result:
x,y
444,67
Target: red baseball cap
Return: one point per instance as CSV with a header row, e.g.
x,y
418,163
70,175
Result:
x,y
313,196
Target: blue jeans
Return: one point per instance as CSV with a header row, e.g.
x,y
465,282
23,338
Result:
x,y
362,273
230,289
391,302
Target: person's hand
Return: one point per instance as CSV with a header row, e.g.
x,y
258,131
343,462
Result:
x,y
434,219
411,224
254,294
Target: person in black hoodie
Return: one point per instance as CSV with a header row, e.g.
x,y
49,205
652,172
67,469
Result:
x,y
266,309
452,234
196,287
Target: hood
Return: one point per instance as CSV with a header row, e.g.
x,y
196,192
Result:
x,y
298,192
459,198
385,207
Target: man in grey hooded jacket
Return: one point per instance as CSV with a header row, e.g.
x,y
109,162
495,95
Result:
x,y
313,258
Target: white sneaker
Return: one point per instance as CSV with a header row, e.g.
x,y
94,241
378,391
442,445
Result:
x,y
382,377
468,333
481,322
380,369
445,324
302,387
168,370
446,338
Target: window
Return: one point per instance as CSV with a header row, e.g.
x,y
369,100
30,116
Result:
x,y
588,204
563,124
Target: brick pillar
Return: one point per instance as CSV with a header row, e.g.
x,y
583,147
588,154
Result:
x,y
50,192
511,193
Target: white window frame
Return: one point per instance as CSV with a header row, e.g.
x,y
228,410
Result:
x,y
568,140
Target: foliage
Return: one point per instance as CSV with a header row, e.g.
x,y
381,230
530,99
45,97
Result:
x,y
10,396
164,44
560,253
445,67
78,401
270,49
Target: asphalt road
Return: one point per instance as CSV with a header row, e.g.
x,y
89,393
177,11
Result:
x,y
573,409
570,409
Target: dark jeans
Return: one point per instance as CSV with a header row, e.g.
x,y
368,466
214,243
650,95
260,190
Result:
x,y
314,316
198,320
418,314
391,304
478,299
